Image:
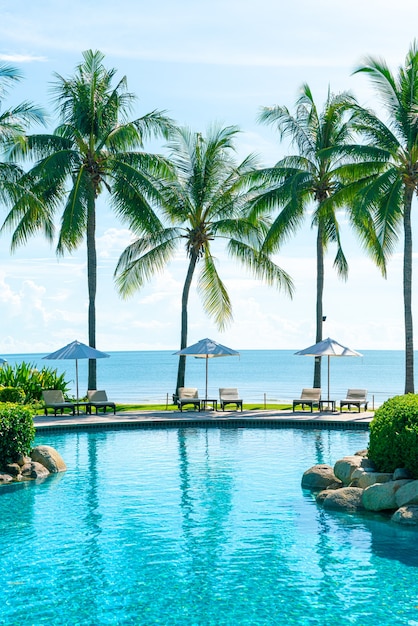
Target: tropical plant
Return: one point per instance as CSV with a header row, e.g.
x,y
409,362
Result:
x,y
17,432
312,182
205,203
393,150
394,435
27,377
95,149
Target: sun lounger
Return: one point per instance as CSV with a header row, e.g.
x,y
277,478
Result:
x,y
355,397
308,397
98,400
229,396
188,395
54,399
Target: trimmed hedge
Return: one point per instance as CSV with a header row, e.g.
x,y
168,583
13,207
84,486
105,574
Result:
x,y
12,394
17,432
394,435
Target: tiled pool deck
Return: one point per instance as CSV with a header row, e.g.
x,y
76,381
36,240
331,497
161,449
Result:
x,y
176,419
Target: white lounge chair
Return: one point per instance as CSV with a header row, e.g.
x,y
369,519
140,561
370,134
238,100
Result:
x,y
355,397
308,397
98,400
229,395
54,399
188,395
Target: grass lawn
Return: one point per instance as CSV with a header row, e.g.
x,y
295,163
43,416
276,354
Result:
x,y
173,407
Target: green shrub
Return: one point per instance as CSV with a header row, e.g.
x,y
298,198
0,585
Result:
x,y
27,377
17,432
394,435
12,394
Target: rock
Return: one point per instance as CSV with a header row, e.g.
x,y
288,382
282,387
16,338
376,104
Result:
x,y
371,478
382,496
401,473
34,470
362,453
12,468
49,458
319,477
407,515
356,475
322,495
344,499
22,459
344,468
6,478
408,494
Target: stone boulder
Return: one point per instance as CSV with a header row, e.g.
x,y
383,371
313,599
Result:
x,y
401,473
320,477
344,499
320,497
34,470
49,458
407,515
22,459
344,468
361,453
382,496
12,468
408,494
6,478
366,479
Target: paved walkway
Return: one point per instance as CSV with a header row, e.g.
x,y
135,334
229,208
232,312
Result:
x,y
132,419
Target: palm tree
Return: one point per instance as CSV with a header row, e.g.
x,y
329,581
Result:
x,y
204,204
312,181
14,122
95,149
394,147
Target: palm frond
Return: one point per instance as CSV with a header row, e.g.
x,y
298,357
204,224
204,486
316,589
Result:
x,y
215,298
143,258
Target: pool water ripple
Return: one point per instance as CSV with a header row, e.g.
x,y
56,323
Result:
x,y
198,527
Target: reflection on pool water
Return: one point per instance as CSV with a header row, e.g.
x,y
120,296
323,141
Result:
x,y
198,527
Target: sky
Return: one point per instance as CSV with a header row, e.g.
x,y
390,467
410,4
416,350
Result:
x,y
203,62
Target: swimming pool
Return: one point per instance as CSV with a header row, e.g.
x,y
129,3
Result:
x,y
198,527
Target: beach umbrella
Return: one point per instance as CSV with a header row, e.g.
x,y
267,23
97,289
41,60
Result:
x,y
207,349
329,348
75,351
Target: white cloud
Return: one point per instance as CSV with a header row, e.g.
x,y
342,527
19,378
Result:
x,y
21,58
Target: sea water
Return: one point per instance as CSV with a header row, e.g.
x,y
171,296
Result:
x,y
260,375
198,527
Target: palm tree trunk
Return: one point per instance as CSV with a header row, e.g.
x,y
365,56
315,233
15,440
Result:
x,y
92,288
319,297
181,372
407,293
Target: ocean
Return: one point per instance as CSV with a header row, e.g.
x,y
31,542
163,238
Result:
x,y
259,375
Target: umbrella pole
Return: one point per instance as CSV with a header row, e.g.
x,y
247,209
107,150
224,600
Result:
x,y
206,394
76,376
328,380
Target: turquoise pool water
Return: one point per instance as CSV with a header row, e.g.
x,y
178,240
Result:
x,y
198,527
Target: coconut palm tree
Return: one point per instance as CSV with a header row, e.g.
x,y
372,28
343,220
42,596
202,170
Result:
x,y
311,182
95,149
14,122
203,205
394,146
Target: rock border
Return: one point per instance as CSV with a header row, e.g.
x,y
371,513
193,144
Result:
x,y
42,461
354,484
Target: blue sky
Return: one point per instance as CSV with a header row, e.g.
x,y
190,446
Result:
x,y
202,62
